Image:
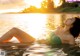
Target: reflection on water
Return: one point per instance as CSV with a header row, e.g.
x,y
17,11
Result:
x,y
34,24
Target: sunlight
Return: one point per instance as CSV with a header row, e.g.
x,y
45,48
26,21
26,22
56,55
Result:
x,y
34,27
11,10
36,3
57,3
37,26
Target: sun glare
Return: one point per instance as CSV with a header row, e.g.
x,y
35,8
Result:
x,y
36,3
10,10
39,25
57,3
34,27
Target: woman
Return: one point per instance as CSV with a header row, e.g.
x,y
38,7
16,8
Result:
x,y
66,34
62,35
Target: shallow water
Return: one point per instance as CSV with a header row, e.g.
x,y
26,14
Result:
x,y
41,50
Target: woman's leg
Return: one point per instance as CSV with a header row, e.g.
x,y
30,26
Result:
x,y
20,35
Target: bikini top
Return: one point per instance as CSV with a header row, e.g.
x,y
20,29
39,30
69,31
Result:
x,y
53,39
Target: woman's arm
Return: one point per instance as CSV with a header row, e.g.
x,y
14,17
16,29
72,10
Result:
x,y
72,41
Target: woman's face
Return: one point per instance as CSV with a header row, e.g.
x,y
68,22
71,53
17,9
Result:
x,y
69,21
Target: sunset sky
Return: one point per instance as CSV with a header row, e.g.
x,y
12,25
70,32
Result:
x,y
11,5
5,4
8,4
17,5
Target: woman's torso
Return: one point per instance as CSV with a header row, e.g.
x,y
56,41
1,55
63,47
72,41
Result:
x,y
65,38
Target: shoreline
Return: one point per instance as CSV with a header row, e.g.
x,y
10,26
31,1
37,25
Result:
x,y
50,12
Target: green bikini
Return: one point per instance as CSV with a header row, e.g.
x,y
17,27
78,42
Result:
x,y
53,39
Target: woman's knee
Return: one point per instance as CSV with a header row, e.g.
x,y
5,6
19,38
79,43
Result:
x,y
14,29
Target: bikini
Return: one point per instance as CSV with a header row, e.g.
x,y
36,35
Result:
x,y
53,39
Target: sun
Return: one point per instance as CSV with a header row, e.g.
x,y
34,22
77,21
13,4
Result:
x,y
57,3
36,3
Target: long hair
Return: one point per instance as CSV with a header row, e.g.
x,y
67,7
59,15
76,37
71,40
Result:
x,y
75,30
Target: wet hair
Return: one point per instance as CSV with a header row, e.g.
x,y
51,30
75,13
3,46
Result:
x,y
75,30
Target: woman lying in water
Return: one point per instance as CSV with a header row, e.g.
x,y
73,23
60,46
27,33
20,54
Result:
x,y
62,35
